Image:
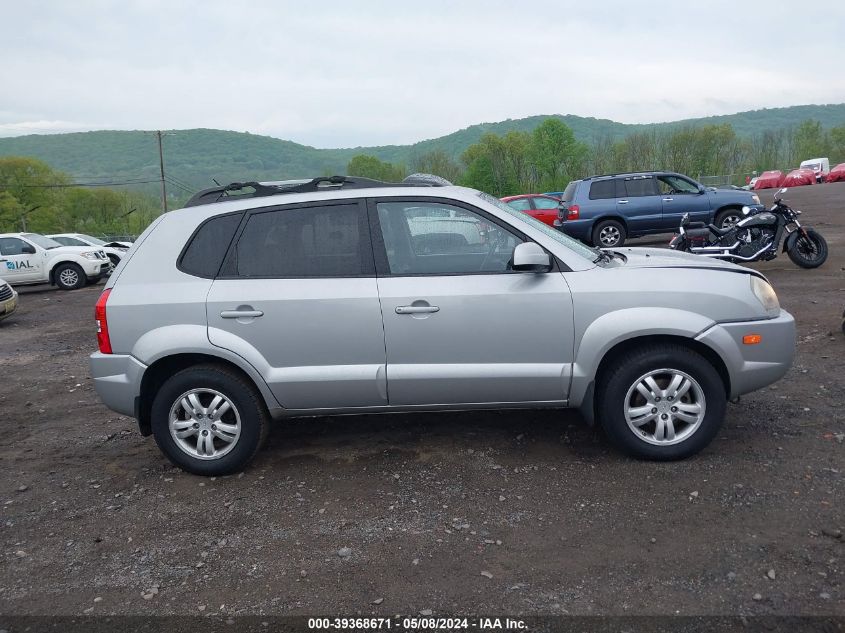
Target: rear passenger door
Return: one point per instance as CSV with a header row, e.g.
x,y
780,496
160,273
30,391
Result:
x,y
642,204
297,296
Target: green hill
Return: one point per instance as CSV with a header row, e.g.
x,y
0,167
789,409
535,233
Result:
x,y
195,157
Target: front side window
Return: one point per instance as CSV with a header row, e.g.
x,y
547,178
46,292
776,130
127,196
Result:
x,y
432,238
11,246
314,241
676,185
42,241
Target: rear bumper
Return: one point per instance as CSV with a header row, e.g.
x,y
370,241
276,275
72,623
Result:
x,y
117,380
751,367
579,229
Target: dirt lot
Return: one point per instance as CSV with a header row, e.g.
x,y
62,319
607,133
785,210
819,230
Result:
x,y
94,520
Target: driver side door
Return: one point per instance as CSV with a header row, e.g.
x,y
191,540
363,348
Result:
x,y
460,326
19,261
680,196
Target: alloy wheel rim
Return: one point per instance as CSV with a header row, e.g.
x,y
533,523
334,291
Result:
x,y
664,407
609,235
69,277
730,221
205,423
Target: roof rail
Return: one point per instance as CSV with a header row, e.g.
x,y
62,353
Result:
x,y
262,189
628,173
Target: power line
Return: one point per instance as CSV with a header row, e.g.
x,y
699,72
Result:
x,y
78,184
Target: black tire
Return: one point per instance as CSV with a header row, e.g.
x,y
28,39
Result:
x,y
605,230
734,215
613,389
69,276
254,419
809,254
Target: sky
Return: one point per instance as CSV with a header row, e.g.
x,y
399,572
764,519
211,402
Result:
x,y
346,74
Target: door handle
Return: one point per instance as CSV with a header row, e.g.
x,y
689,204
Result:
x,y
416,309
241,314
622,202
668,199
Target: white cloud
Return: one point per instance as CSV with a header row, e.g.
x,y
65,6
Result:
x,y
342,74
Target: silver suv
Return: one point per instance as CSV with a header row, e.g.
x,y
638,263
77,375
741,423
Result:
x,y
346,295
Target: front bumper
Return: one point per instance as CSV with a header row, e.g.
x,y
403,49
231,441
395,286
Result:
x,y
8,306
96,268
751,367
117,380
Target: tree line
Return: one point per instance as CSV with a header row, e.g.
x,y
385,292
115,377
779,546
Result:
x,y
36,197
550,156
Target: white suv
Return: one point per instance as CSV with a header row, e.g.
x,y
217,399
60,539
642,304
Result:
x,y
30,258
114,250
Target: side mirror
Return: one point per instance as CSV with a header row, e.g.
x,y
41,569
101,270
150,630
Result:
x,y
702,190
530,257
28,249
780,194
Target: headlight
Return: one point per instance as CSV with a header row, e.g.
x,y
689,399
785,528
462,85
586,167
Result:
x,y
91,255
755,198
766,295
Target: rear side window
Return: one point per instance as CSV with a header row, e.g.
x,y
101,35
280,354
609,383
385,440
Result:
x,y
603,189
208,247
639,187
314,241
546,203
569,192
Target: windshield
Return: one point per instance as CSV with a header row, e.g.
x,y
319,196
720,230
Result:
x,y
40,240
92,240
560,237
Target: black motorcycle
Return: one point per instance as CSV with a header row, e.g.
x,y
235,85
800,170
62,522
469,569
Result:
x,y
756,237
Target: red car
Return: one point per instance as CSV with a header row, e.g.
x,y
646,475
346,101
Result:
x,y
537,205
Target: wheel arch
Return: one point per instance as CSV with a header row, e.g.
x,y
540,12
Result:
x,y
51,273
159,371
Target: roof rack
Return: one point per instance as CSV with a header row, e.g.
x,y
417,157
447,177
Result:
x,y
262,189
627,173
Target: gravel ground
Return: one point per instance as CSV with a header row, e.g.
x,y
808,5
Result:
x,y
517,513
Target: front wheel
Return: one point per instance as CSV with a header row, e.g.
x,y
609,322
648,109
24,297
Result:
x,y
808,251
728,218
69,276
209,420
661,402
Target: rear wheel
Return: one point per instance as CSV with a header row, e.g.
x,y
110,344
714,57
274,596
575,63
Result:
x,y
809,251
69,276
609,234
209,420
661,402
728,218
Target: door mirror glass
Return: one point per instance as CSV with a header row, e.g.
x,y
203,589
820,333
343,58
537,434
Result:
x,y
530,257
780,194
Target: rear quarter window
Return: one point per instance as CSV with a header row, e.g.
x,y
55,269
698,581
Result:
x,y
603,189
207,247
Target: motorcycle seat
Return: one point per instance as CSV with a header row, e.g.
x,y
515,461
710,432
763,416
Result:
x,y
696,225
717,230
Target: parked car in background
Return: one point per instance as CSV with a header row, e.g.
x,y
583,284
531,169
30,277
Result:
x,y
321,298
837,174
8,300
30,258
799,178
819,166
606,210
540,206
114,250
772,179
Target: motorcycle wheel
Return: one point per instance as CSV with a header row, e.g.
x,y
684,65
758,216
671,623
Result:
x,y
809,251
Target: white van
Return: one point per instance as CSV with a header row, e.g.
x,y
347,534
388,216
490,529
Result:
x,y
819,165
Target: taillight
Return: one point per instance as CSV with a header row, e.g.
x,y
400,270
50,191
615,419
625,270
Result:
x,y
102,323
573,213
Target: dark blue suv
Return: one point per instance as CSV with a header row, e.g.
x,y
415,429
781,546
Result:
x,y
605,210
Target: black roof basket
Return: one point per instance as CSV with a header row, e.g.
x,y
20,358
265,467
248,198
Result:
x,y
217,194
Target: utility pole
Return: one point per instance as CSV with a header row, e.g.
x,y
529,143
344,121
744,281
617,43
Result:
x,y
161,167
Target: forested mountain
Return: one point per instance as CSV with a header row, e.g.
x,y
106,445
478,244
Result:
x,y
195,157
